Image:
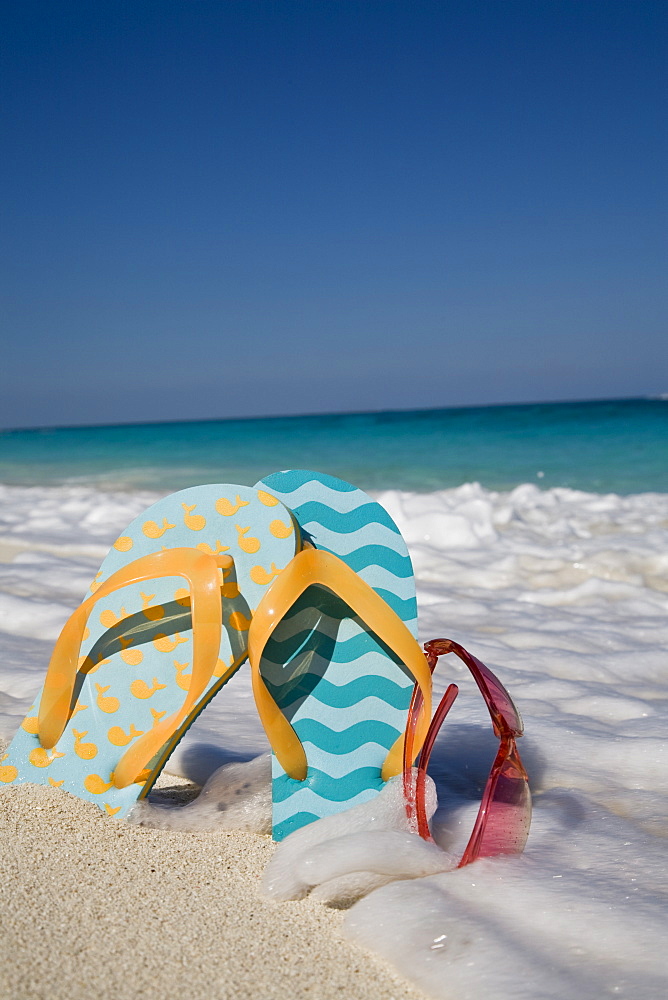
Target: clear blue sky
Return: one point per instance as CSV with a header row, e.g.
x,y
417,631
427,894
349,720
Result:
x,y
244,207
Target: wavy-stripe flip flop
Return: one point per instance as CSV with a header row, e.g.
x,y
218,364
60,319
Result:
x,y
344,690
165,625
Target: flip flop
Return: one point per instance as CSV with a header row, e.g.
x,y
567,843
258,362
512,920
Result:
x,y
165,625
334,656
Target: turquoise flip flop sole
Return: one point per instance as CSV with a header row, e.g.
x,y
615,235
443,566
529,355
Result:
x,y
135,662
345,694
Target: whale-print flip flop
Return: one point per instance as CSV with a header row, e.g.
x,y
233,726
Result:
x,y
164,626
333,652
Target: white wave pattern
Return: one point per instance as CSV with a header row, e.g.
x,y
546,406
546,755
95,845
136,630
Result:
x,y
340,765
343,544
341,501
383,579
311,802
367,708
365,666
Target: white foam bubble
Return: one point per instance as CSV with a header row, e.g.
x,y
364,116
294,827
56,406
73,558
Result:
x,y
352,851
237,796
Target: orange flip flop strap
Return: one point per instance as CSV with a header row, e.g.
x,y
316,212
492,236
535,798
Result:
x,y
200,570
308,568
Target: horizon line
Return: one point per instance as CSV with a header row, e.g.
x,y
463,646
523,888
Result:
x,y
661,397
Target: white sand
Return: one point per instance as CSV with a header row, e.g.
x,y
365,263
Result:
x,y
96,907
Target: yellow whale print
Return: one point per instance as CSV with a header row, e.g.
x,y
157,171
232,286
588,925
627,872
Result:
x,y
84,750
153,530
193,521
8,772
249,544
227,509
120,738
110,810
154,614
267,499
239,622
31,724
96,785
183,680
56,784
140,688
43,758
133,657
157,716
123,544
110,620
281,530
107,704
259,575
182,595
166,645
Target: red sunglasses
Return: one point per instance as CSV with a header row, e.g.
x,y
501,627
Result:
x,y
504,816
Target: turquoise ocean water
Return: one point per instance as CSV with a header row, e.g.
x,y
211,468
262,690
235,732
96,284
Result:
x,y
604,446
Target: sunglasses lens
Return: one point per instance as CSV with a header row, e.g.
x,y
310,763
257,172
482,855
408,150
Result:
x,y
503,821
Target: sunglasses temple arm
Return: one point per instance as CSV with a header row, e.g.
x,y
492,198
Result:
x,y
409,743
445,704
414,786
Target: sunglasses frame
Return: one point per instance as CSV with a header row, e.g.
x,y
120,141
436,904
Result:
x,y
504,816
